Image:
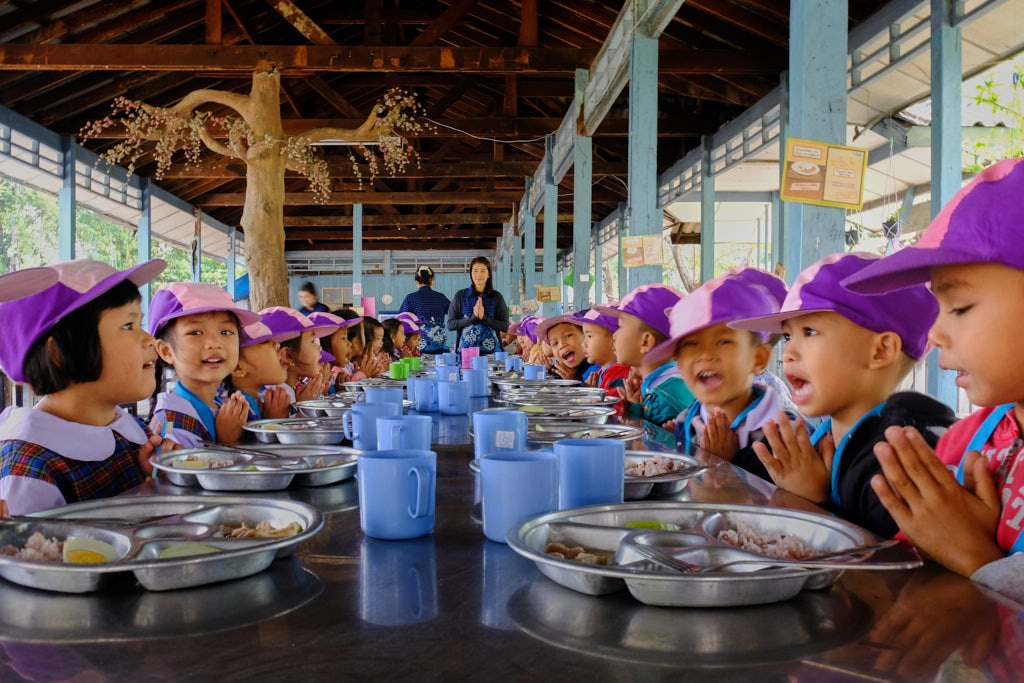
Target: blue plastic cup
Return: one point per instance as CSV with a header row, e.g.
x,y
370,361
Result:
x,y
479,363
515,364
446,373
478,384
534,372
449,359
516,485
396,493
407,432
501,355
423,394
360,423
381,395
499,430
590,472
453,397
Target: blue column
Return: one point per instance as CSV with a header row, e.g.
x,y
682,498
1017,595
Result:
x,y
231,264
645,218
817,111
550,229
529,247
517,266
66,202
144,237
707,214
196,255
598,270
624,287
582,169
357,252
780,209
947,75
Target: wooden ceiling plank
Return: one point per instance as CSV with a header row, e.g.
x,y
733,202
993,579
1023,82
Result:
x,y
445,21
745,19
301,22
214,22
372,21
375,198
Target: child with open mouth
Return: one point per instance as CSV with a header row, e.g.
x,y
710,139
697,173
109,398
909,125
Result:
x,y
565,337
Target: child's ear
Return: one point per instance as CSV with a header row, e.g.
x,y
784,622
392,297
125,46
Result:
x,y
762,354
165,351
885,350
284,353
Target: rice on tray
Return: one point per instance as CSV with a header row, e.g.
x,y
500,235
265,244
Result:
x,y
779,546
38,548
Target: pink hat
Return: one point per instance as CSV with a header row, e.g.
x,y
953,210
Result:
x,y
176,299
22,283
541,331
775,285
649,303
982,223
410,317
526,327
909,313
330,322
727,297
596,317
287,323
25,320
255,333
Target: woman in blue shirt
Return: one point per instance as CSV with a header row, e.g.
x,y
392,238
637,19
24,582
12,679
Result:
x,y
479,312
429,307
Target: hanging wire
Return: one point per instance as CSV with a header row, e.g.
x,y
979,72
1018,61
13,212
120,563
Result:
x,y
481,137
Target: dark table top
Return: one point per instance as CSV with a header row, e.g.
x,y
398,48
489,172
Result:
x,y
455,606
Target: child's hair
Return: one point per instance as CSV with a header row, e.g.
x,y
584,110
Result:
x,y
77,356
658,336
294,345
391,326
370,326
348,314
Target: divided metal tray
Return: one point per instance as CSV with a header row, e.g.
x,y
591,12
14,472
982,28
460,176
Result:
x,y
141,527
334,406
637,488
298,430
258,470
550,432
604,528
579,397
384,382
564,413
522,383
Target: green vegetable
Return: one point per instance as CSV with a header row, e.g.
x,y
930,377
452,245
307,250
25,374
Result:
x,y
650,524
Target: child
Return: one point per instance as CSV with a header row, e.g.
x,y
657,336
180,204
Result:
x,y
565,337
394,339
79,343
259,366
654,391
337,344
196,326
524,334
375,360
413,328
599,347
971,255
300,351
845,356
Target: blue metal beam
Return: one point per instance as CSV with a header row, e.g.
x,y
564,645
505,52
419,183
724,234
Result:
x,y
66,202
583,166
624,287
645,218
707,214
598,271
550,278
357,253
517,267
232,289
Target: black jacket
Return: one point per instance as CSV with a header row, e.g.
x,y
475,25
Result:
x,y
857,500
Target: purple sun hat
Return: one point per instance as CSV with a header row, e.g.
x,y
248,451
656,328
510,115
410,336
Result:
x,y
329,322
775,285
287,323
25,320
541,330
649,303
255,333
596,317
982,223
326,357
176,299
725,298
909,313
406,316
25,282
526,327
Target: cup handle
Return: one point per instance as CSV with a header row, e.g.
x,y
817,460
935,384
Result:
x,y
422,492
396,435
361,397
348,427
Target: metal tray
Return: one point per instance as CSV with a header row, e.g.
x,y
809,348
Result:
x,y
274,470
140,527
603,527
549,432
385,382
298,430
562,413
511,384
518,398
637,488
334,406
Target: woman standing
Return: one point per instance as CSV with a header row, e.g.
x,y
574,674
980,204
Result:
x,y
479,312
308,302
429,308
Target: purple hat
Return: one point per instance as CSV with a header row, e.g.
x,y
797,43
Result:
x,y
330,322
982,223
255,333
775,285
409,317
541,330
909,313
25,320
22,283
596,317
526,327
728,297
326,357
176,299
410,327
649,303
287,323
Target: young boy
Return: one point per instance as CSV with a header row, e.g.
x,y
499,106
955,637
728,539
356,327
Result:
x,y
599,345
654,391
971,255
845,356
719,365
565,337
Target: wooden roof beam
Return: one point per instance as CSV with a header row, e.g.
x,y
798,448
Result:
x,y
341,167
457,10
373,198
745,19
301,22
399,220
422,233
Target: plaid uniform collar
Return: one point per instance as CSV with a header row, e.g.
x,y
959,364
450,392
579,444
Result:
x,y
72,440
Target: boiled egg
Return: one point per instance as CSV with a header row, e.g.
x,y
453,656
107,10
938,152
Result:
x,y
86,550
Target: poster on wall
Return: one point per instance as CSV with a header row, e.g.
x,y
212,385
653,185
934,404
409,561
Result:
x,y
641,250
823,174
546,293
530,305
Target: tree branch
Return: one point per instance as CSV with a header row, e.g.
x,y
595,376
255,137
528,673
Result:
x,y
217,146
368,132
232,100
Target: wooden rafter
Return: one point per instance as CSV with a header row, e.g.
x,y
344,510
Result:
x,y
376,198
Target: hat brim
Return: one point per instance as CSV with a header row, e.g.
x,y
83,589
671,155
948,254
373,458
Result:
x,y
905,268
323,330
244,317
663,352
351,322
541,331
608,310
22,283
772,323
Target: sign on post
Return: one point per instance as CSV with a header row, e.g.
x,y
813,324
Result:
x,y
824,174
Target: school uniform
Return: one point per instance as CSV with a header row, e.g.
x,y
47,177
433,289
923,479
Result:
x,y
184,418
47,462
664,394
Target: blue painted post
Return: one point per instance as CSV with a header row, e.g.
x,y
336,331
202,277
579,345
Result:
x,y
598,267
582,168
144,237
517,266
232,290
529,247
645,218
357,254
550,228
196,255
817,111
707,214
624,287
66,202
780,209
947,178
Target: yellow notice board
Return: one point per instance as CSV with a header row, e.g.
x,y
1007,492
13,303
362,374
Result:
x,y
545,293
824,174
641,250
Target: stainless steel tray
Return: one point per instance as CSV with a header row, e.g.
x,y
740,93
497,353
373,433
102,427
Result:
x,y
298,430
565,413
549,432
637,488
259,470
385,382
334,406
517,398
514,383
140,527
603,527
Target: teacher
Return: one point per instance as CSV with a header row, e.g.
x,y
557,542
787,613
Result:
x,y
429,307
479,313
308,302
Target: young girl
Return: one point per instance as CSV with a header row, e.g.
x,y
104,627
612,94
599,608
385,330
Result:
x,y
375,360
80,344
337,344
259,366
196,325
394,339
413,328
300,351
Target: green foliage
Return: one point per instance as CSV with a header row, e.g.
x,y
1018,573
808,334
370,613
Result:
x,y
1004,100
